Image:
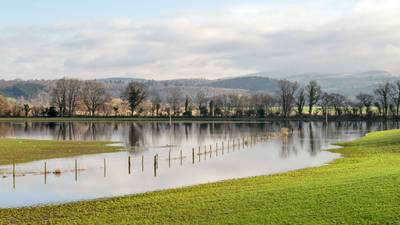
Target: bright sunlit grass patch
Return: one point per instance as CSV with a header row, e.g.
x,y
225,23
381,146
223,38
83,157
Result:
x,y
361,188
19,151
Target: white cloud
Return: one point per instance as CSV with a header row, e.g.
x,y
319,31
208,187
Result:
x,y
291,38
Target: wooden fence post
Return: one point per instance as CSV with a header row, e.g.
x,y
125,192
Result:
x,y
155,165
192,155
181,156
14,175
76,170
129,165
169,159
45,173
199,154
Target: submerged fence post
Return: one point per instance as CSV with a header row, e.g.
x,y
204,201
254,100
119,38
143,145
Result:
x,y
199,154
210,151
192,155
129,165
14,175
142,163
155,165
157,161
45,173
181,156
216,149
76,170
169,159
205,152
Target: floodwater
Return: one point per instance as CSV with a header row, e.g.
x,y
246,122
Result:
x,y
156,162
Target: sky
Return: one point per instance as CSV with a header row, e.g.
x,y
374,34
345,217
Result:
x,y
168,39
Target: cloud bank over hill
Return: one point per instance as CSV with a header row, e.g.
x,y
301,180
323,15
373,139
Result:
x,y
306,36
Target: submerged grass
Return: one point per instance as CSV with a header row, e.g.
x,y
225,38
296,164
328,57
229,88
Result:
x,y
20,151
361,188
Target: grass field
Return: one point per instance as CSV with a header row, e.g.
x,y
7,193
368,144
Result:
x,y
19,151
361,188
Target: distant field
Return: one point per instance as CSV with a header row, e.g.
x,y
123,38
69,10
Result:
x,y
19,151
360,188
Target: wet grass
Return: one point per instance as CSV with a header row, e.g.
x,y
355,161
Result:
x,y
20,151
361,188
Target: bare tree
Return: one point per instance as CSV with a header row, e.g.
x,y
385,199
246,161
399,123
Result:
x,y
156,102
383,93
226,104
234,103
66,96
326,103
188,106
378,107
135,94
396,98
338,102
286,93
211,107
4,106
201,100
27,109
218,105
40,103
300,100
365,100
94,95
16,108
313,91
73,88
262,103
59,96
268,102
174,100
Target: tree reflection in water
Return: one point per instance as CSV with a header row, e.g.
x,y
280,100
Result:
x,y
142,136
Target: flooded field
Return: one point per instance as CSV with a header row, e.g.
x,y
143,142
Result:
x,y
156,156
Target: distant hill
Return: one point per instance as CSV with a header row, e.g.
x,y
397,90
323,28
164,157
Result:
x,y
250,83
20,89
120,80
347,84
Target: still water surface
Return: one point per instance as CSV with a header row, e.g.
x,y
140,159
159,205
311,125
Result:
x,y
108,175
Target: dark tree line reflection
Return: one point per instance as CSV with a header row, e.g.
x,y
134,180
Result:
x,y
308,136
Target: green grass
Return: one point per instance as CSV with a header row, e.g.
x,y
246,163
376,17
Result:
x,y
20,151
361,188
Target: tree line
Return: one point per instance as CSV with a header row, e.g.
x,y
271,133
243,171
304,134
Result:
x,y
72,97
